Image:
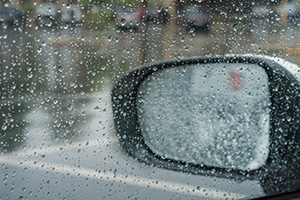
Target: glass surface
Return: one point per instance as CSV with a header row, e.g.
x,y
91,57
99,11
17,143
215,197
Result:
x,y
211,114
59,61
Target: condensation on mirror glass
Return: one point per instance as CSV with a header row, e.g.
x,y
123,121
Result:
x,y
212,114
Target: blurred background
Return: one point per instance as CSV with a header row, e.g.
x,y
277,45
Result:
x,y
54,55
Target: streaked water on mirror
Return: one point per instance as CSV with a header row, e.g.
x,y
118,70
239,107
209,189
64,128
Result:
x,y
215,115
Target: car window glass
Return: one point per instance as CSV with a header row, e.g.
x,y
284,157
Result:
x,y
59,61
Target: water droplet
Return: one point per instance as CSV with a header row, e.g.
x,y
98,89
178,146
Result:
x,y
39,49
159,9
183,70
96,108
49,24
70,107
235,27
55,101
123,22
30,75
4,127
60,68
66,26
242,30
182,39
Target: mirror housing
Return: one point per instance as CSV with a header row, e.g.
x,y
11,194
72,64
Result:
x,y
284,140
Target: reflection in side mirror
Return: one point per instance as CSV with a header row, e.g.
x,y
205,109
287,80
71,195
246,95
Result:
x,y
208,114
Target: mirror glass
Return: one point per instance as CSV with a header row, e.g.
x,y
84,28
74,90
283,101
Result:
x,y
210,114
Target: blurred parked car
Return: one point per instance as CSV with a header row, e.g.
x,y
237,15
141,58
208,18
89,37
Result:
x,y
11,15
130,18
71,15
291,9
261,11
46,15
157,15
197,18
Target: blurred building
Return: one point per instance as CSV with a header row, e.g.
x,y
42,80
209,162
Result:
x,y
212,6
18,3
234,6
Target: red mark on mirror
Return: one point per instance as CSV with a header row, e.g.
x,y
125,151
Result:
x,y
236,80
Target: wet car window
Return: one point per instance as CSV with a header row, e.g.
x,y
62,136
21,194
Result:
x,y
59,61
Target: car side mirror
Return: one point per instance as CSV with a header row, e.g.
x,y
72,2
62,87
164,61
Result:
x,y
232,116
